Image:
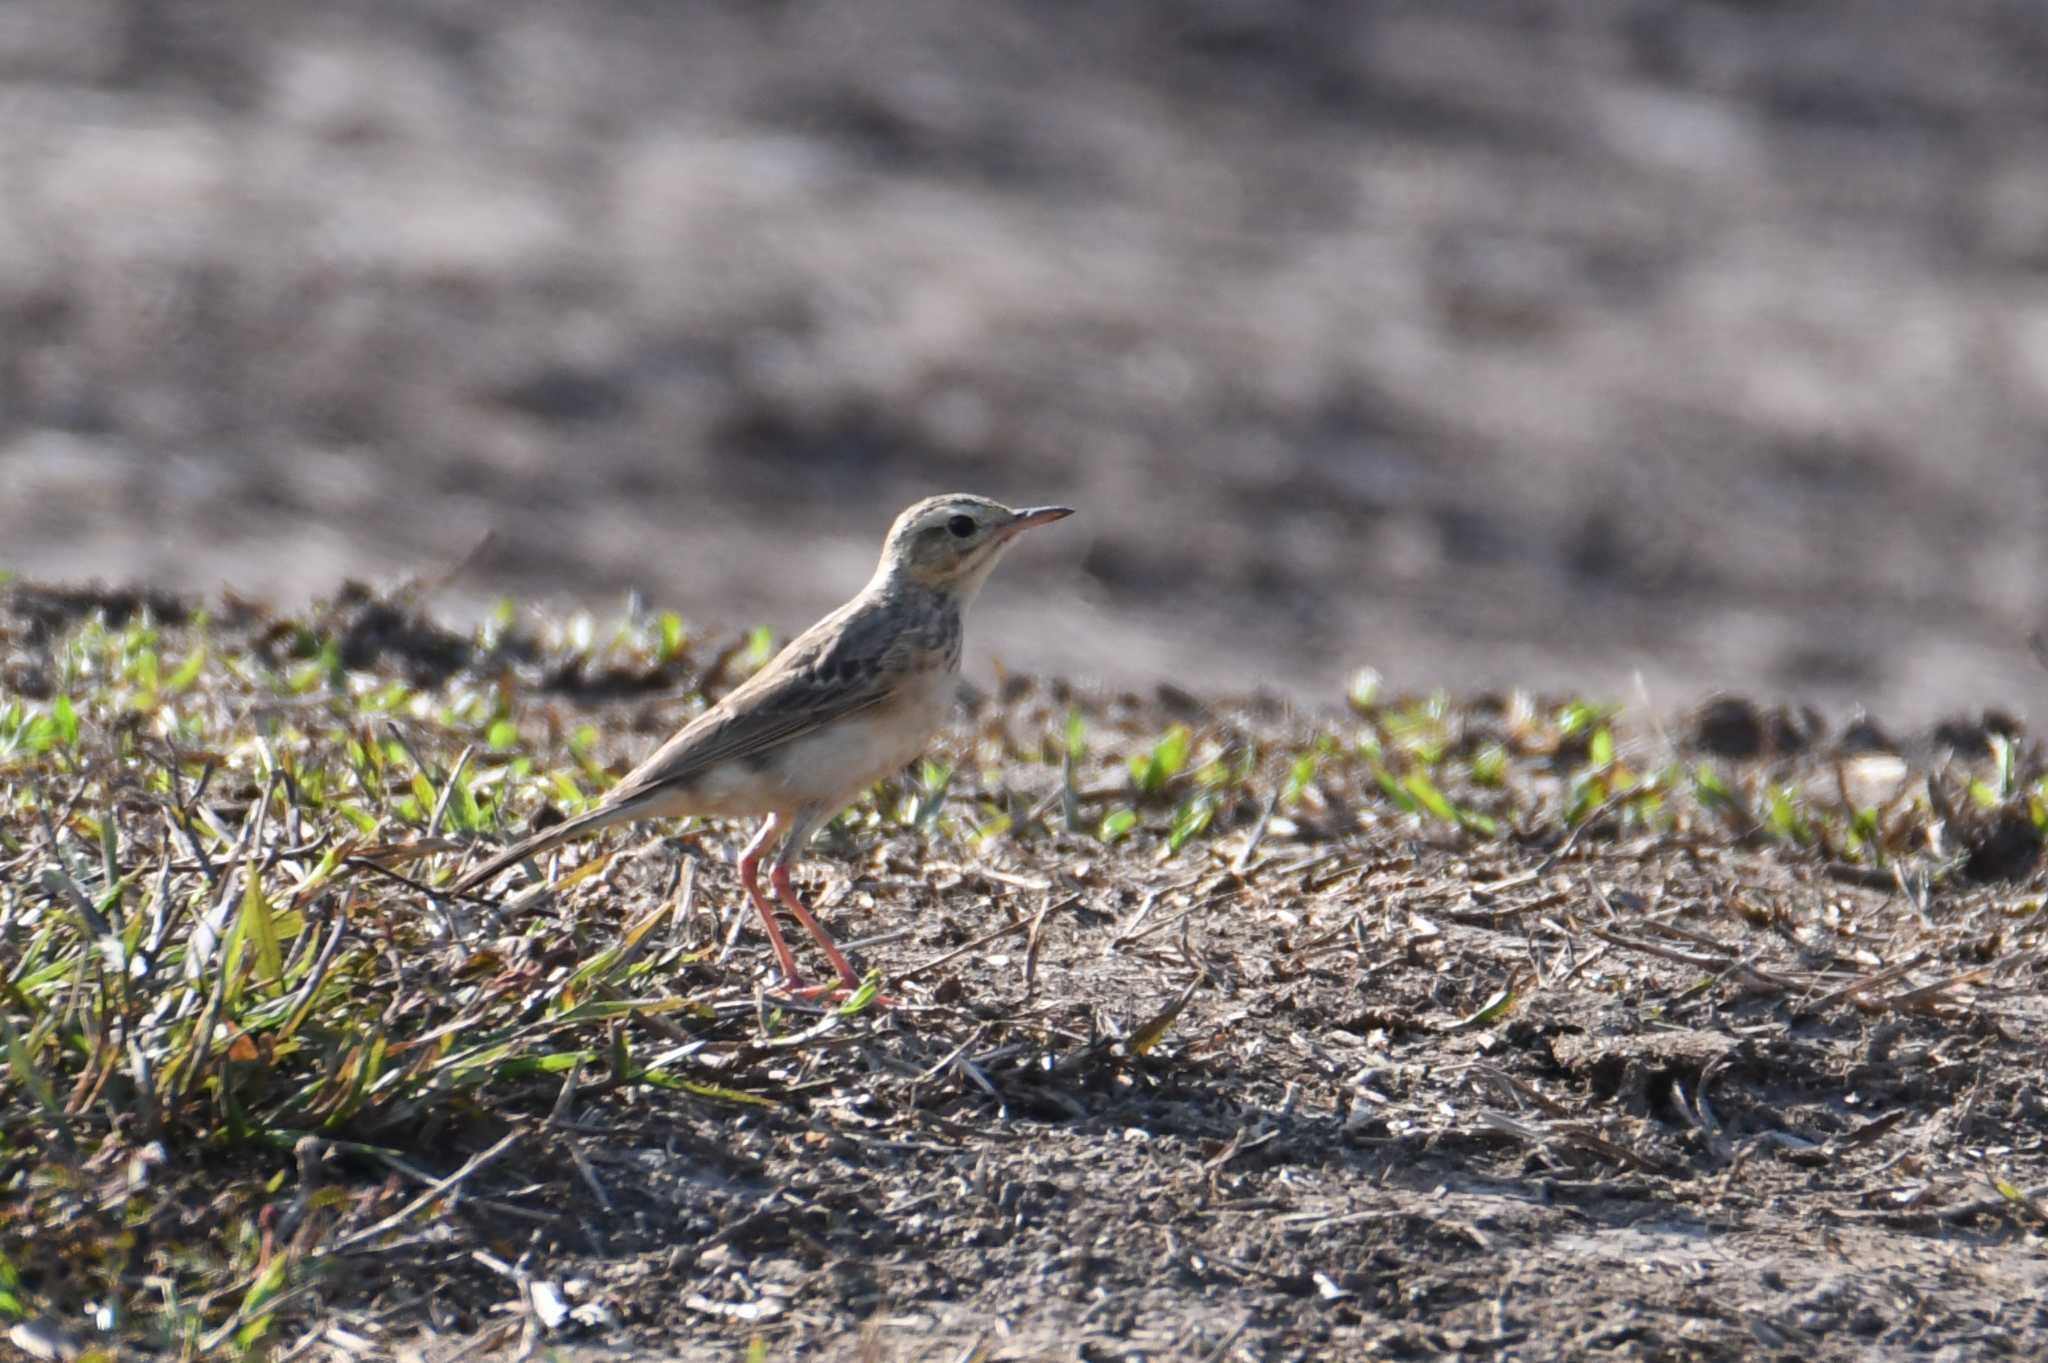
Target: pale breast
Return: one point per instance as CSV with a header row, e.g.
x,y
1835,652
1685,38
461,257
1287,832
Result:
x,y
832,764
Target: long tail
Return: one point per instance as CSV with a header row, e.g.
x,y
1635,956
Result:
x,y
604,816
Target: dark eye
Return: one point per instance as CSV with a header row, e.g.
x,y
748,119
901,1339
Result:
x,y
961,526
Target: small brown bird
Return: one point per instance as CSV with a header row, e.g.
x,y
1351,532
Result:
x,y
851,699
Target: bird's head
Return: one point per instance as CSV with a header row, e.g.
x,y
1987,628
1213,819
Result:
x,y
950,543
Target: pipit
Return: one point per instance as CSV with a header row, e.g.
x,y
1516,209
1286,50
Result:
x,y
851,699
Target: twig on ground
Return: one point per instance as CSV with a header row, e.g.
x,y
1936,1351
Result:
x,y
434,1190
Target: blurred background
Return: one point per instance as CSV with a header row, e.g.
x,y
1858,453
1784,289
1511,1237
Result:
x,y
1555,344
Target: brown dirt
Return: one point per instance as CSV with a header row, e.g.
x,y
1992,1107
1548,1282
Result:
x,y
1683,1143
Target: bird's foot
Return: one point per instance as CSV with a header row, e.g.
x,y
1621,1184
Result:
x,y
846,992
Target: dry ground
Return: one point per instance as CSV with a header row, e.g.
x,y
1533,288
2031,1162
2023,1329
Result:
x,y
1497,1028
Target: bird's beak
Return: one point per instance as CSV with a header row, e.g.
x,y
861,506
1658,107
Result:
x,y
1035,515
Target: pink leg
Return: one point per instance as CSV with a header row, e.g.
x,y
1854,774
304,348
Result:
x,y
750,877
779,878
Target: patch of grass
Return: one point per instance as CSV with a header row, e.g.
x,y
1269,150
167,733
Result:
x,y
211,949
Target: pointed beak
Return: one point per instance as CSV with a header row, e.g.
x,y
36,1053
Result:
x,y
1035,515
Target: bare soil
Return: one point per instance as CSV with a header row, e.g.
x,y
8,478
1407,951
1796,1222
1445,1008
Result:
x,y
1681,1143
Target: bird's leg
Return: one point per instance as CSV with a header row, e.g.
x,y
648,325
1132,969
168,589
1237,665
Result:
x,y
800,829
784,891
750,877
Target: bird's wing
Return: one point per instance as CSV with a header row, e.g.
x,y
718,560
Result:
x,y
850,661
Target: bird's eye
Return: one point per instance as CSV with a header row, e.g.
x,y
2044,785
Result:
x,y
961,526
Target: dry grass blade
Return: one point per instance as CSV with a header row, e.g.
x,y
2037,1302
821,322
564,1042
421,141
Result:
x,y
433,1193
1718,964
1009,929
1154,1029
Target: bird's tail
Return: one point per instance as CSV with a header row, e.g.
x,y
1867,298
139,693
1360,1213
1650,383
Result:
x,y
591,820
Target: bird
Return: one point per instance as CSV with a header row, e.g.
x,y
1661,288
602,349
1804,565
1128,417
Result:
x,y
850,700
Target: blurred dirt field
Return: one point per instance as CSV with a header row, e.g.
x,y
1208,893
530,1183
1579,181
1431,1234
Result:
x,y
1547,344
